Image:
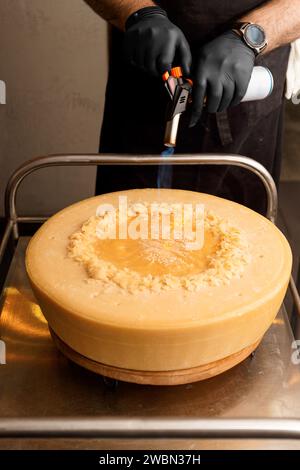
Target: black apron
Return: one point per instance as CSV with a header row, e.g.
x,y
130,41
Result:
x,y
134,116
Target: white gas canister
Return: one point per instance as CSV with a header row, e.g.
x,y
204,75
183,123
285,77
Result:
x,y
261,84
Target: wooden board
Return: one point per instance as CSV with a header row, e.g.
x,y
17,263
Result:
x,y
174,377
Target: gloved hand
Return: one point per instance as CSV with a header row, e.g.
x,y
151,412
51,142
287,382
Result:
x,y
153,43
222,71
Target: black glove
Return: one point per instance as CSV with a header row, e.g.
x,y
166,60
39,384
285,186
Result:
x,y
153,43
222,71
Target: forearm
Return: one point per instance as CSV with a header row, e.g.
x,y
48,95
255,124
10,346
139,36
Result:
x,y
280,19
116,12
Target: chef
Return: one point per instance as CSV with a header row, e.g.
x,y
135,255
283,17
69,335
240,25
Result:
x,y
217,43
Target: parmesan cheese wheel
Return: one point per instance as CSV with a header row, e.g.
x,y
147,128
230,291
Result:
x,y
155,305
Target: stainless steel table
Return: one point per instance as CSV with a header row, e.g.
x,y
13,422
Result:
x,y
48,402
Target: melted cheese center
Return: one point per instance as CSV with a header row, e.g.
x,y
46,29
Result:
x,y
158,264
158,257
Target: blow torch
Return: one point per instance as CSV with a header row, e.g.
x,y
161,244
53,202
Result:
x,y
180,93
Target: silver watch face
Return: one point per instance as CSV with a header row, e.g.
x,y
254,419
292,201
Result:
x,y
255,36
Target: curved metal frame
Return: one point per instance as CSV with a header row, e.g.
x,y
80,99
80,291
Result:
x,y
107,159
142,428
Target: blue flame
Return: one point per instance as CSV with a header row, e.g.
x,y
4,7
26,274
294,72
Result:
x,y
165,172
168,152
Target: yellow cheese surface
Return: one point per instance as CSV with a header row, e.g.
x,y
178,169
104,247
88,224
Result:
x,y
171,327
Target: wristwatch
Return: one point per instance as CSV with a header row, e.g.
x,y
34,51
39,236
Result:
x,y
253,35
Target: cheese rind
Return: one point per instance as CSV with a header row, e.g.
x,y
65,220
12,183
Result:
x,y
165,330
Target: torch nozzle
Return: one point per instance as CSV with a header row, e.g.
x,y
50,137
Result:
x,y
172,131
